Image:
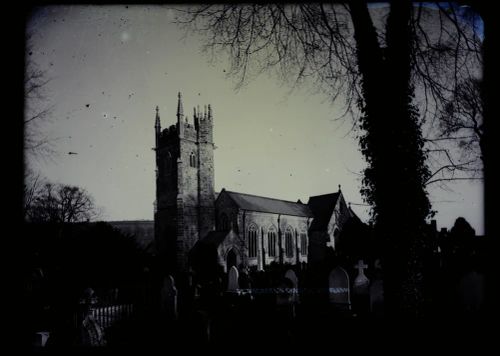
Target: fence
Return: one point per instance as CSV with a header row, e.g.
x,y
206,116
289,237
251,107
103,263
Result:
x,y
107,314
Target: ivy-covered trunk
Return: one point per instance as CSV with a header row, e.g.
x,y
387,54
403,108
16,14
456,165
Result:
x,y
392,144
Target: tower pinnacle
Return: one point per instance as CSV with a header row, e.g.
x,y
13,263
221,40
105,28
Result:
x,y
180,109
157,119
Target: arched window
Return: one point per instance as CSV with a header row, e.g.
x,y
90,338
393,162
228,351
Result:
x,y
252,241
271,241
303,243
224,222
192,159
289,242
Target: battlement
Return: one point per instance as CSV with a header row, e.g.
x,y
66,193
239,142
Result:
x,y
198,130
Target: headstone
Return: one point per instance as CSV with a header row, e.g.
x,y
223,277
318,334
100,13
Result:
x,y
471,292
41,338
338,288
244,280
232,280
290,275
285,299
361,282
361,290
377,291
377,297
169,298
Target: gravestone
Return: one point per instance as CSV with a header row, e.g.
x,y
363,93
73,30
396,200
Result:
x,y
361,282
41,338
361,290
285,300
295,284
232,280
338,289
169,298
471,293
377,297
244,280
377,291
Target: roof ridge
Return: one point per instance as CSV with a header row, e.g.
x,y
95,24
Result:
x,y
260,196
322,195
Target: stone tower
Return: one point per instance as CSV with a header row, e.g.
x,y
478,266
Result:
x,y
184,207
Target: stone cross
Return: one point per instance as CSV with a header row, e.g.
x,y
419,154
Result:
x,y
361,282
361,266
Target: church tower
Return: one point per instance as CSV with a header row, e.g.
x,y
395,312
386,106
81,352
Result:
x,y
184,207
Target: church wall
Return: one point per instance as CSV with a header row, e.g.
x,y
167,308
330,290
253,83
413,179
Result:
x,y
225,206
189,174
263,221
206,177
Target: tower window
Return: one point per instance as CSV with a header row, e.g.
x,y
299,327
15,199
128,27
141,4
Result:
x,y
252,241
192,160
271,242
289,242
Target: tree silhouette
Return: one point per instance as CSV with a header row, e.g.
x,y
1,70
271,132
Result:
x,y
57,203
375,58
38,109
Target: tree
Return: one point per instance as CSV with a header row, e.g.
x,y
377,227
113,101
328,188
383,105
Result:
x,y
32,183
59,203
461,127
37,108
374,58
450,72
463,116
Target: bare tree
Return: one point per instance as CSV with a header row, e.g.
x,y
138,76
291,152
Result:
x,y
37,110
448,68
58,203
32,184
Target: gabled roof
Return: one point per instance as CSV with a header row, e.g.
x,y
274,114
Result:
x,y
268,205
322,207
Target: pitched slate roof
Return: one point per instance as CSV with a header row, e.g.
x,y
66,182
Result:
x,y
269,205
322,207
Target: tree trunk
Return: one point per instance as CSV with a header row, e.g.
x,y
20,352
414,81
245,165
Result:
x,y
392,146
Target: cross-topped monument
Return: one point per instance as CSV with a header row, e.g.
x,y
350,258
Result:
x,y
361,282
361,266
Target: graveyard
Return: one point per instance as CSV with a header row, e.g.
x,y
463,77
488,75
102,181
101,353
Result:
x,y
284,306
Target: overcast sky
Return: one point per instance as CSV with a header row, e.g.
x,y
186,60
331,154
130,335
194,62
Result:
x,y
109,68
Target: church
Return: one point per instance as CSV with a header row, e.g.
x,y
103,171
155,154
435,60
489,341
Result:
x,y
243,230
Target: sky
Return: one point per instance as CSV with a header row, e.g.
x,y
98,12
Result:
x,y
110,66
